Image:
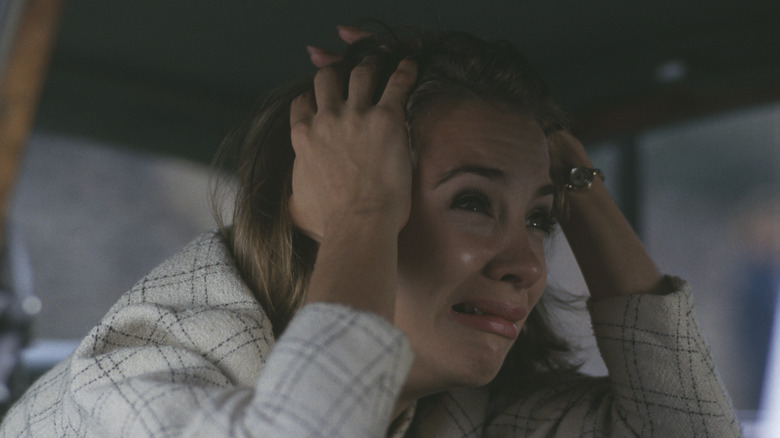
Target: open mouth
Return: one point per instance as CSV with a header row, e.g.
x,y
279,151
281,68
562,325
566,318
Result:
x,y
499,324
468,309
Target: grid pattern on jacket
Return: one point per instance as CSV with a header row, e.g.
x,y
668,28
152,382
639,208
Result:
x,y
189,352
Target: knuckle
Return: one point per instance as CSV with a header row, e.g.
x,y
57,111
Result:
x,y
299,134
403,77
370,60
326,73
327,117
363,69
299,127
299,102
297,142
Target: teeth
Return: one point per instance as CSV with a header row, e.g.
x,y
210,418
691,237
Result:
x,y
468,308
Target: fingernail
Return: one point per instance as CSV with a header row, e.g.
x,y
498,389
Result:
x,y
313,51
346,31
347,28
316,55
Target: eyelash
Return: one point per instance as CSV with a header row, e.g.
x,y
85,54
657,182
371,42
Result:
x,y
542,220
477,202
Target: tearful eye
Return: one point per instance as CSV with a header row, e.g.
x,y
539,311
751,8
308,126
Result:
x,y
543,221
473,201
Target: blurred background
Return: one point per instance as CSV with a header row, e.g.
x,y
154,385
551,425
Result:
x,y
110,112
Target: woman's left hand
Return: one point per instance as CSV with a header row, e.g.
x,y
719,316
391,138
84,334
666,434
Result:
x,y
566,152
610,255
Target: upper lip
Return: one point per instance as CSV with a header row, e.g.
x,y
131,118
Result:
x,y
502,309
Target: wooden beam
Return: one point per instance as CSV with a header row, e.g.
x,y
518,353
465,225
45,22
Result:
x,y
20,88
659,108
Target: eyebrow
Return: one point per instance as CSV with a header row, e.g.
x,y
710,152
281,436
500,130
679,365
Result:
x,y
545,190
487,172
491,173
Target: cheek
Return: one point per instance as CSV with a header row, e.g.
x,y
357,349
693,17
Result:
x,y
433,253
427,255
538,289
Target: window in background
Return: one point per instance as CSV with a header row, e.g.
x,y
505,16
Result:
x,y
711,213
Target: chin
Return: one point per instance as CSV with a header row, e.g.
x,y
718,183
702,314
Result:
x,y
481,375
476,371
453,372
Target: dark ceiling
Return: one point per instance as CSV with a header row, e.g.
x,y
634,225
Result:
x,y
174,76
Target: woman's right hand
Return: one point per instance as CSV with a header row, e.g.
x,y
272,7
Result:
x,y
352,159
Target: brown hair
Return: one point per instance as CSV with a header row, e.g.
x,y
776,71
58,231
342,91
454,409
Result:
x,y
276,260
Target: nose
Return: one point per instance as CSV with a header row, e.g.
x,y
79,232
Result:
x,y
516,260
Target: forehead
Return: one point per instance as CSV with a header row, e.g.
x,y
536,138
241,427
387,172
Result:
x,y
482,133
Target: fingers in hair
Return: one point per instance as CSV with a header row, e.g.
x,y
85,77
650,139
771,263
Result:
x,y
328,88
350,34
321,57
363,81
302,110
400,82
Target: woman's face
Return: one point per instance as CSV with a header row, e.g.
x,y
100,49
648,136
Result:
x,y
471,259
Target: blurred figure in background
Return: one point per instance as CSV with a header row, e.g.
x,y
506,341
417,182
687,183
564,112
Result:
x,y
758,281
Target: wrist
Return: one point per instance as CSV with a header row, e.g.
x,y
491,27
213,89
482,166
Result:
x,y
378,212
589,203
366,221
359,229
357,265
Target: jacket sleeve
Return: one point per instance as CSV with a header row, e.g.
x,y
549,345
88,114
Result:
x,y
661,372
145,372
189,352
335,372
661,382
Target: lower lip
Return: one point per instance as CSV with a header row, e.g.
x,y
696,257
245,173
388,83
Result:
x,y
488,323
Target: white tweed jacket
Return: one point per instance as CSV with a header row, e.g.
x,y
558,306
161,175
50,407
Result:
x,y
188,352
